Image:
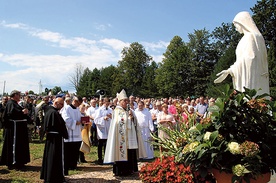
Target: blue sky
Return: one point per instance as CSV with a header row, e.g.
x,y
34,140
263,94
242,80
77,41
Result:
x,y
45,39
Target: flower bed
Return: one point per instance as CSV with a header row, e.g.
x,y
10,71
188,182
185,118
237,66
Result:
x,y
165,169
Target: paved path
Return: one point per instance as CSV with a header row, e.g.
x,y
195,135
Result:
x,y
107,177
273,179
102,174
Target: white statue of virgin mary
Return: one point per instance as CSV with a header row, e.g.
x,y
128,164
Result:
x,y
251,68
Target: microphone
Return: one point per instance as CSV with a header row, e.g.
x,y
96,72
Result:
x,y
129,111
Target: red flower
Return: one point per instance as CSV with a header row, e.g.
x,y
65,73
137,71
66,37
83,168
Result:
x,y
165,170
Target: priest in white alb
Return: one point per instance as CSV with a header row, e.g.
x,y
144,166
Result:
x,y
145,123
72,117
102,120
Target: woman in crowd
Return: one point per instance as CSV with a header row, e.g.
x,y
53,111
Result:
x,y
166,120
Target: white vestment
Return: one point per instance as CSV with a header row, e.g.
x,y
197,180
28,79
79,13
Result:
x,y
145,123
123,135
91,111
71,115
102,124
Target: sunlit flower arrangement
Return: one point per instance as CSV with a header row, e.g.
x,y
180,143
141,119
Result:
x,y
165,169
239,139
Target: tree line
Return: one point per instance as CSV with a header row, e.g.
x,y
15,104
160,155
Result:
x,y
187,69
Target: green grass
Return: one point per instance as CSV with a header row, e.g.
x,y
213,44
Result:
x,y
31,173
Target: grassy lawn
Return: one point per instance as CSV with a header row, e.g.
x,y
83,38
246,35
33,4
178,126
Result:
x,y
31,172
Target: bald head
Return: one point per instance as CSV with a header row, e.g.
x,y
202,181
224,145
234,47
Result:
x,y
93,103
58,103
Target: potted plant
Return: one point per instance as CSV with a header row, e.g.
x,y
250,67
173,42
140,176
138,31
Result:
x,y
238,139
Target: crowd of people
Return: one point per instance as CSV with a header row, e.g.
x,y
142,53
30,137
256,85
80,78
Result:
x,y
120,127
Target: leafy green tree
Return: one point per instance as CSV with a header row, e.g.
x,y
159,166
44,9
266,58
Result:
x,y
149,87
174,74
84,86
56,89
132,67
225,39
214,90
46,91
95,79
264,15
117,81
204,56
105,80
31,92
271,57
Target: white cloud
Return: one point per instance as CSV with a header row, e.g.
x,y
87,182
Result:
x,y
157,58
54,69
116,44
48,36
15,25
155,46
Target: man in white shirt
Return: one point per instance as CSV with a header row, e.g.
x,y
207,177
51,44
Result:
x,y
145,123
132,101
84,100
201,108
102,121
72,117
91,111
